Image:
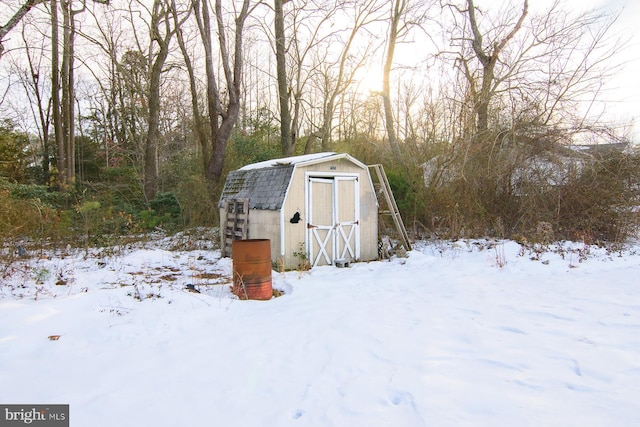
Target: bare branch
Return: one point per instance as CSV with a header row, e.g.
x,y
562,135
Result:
x,y
13,21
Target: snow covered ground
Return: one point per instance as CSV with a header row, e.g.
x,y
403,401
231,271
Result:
x,y
456,334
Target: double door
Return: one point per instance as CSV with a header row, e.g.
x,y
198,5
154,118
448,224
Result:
x,y
333,226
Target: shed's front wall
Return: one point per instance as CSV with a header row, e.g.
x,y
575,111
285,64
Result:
x,y
295,234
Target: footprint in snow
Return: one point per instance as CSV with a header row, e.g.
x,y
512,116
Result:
x,y
400,397
512,330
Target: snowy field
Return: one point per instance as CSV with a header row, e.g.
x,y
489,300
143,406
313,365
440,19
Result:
x,y
455,334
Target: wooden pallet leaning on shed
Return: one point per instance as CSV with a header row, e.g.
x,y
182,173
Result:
x,y
389,207
236,226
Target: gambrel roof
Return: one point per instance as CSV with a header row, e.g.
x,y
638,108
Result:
x,y
265,188
265,183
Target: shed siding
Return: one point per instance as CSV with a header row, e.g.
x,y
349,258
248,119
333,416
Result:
x,y
263,224
295,234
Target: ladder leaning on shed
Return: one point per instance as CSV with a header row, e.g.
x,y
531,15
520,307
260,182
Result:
x,y
381,184
236,226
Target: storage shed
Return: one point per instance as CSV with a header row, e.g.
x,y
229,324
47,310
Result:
x,y
321,206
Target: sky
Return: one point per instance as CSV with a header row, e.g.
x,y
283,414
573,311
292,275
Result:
x,y
628,84
623,97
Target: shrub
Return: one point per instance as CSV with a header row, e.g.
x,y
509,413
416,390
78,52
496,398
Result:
x,y
198,206
516,189
166,203
601,204
42,193
14,153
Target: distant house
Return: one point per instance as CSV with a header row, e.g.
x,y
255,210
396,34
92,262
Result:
x,y
551,167
321,206
600,151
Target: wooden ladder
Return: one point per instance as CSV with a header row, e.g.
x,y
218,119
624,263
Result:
x,y
236,226
382,186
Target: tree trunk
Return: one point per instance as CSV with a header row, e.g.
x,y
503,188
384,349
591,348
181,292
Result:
x,y
488,59
398,9
216,163
68,95
153,133
208,144
233,77
484,97
43,119
223,119
160,14
213,96
199,123
288,146
55,94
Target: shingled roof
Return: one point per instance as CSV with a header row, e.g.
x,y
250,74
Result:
x,y
265,187
265,183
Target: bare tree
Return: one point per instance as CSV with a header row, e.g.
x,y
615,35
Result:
x,y
364,13
581,56
63,85
124,82
198,119
403,17
488,57
55,92
13,21
531,70
316,60
40,104
136,79
283,88
223,105
161,33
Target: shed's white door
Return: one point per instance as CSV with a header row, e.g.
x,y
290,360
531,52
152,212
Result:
x,y
333,219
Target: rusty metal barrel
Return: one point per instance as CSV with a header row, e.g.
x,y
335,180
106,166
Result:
x,y
252,269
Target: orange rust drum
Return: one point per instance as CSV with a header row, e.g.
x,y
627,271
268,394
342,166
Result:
x,y
252,269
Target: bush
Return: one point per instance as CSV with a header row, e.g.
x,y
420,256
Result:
x,y
199,208
22,216
166,203
261,143
601,204
516,189
120,187
150,219
42,193
408,190
164,212
14,153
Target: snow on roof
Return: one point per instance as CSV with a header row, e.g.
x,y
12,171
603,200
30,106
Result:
x,y
287,161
